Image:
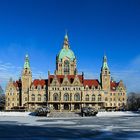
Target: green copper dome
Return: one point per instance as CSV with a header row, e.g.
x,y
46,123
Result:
x,y
66,53
105,65
26,63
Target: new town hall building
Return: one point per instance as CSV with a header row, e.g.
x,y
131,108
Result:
x,y
66,89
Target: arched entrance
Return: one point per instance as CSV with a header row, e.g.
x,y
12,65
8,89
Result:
x,y
55,106
66,106
76,106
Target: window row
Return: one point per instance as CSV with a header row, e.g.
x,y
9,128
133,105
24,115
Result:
x,y
38,87
13,104
93,98
13,99
66,97
67,88
93,88
120,94
115,104
114,99
12,93
39,97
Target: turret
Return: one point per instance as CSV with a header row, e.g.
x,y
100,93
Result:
x,y
66,60
66,42
26,80
105,75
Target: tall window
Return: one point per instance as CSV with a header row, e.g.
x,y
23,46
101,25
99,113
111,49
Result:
x,y
66,67
45,98
77,97
39,87
33,97
25,99
106,99
99,97
55,97
39,97
66,97
87,97
93,97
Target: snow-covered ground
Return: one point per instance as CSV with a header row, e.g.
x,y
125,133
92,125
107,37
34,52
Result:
x,y
107,125
118,113
86,128
100,114
14,113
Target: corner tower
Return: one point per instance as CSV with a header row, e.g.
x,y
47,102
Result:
x,y
66,60
26,80
105,75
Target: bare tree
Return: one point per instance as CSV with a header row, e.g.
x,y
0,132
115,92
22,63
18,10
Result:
x,y
2,101
133,101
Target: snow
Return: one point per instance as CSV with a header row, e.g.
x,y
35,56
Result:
x,y
14,113
107,125
100,114
117,113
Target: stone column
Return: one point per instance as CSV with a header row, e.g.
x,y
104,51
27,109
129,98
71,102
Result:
x,y
72,107
61,107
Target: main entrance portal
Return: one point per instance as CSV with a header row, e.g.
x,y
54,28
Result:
x,y
66,106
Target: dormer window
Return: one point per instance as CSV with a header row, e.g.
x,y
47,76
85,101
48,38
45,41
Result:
x,y
66,83
66,67
113,88
39,88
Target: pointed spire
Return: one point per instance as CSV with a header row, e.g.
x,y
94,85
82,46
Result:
x,y
66,36
66,41
26,63
10,80
105,65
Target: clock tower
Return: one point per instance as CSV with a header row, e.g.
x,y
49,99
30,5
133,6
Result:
x,y
105,75
26,80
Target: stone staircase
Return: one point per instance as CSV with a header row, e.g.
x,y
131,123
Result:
x,y
63,114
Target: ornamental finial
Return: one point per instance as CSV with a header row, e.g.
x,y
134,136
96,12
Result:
x,y
66,41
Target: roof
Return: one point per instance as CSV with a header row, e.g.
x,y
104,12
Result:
x,y
40,82
113,85
17,83
66,53
61,77
90,83
26,63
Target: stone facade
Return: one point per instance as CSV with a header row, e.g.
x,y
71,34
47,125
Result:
x,y
13,94
65,89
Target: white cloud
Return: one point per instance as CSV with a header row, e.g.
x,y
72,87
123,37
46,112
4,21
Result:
x,y
130,74
8,70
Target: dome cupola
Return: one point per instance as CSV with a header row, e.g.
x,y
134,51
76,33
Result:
x,y
66,51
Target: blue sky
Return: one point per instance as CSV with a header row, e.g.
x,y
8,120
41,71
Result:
x,y
37,27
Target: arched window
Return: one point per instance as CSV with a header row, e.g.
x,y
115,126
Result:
x,y
25,99
99,97
87,97
33,97
66,67
93,97
45,98
39,97
55,97
66,97
77,97
39,87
